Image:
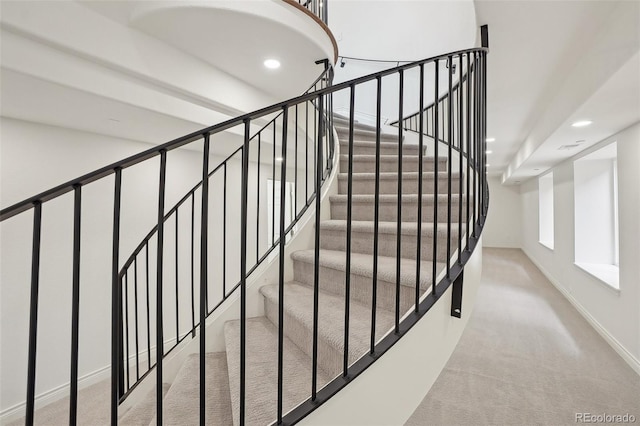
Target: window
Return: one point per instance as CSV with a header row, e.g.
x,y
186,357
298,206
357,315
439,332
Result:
x,y
273,208
596,214
545,207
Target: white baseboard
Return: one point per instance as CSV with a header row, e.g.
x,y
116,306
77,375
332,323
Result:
x,y
17,411
633,362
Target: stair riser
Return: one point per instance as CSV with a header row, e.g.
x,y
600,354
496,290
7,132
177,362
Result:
x,y
333,281
409,164
362,242
343,134
370,149
389,211
329,359
389,186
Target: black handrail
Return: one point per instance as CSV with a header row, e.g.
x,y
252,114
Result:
x,y
469,144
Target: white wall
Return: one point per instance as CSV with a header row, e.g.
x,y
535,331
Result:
x,y
614,314
504,221
36,157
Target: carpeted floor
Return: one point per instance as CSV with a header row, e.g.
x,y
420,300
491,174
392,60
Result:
x,y
527,357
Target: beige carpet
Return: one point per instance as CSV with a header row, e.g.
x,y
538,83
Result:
x,y
527,357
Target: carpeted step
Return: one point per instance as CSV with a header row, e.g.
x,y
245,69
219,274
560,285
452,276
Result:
x,y
364,183
365,147
298,323
364,134
262,372
343,122
144,411
333,237
366,163
363,207
332,276
182,402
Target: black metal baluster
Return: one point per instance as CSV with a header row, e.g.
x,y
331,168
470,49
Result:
x,y
273,188
347,295
126,328
177,281
159,283
224,233
193,279
148,308
316,265
204,271
468,176
243,266
485,198
399,203
460,152
116,314
376,216
33,313
449,162
75,306
476,174
281,259
420,161
436,181
135,312
258,199
306,153
295,179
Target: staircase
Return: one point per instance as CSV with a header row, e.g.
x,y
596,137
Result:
x,y
396,240
222,369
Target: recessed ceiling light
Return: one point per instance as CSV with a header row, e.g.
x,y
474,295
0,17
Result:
x,y
490,139
581,141
272,64
488,165
488,152
278,159
581,123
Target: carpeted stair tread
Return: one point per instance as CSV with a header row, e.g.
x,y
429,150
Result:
x,y
407,228
343,133
393,176
362,264
262,371
144,411
299,300
392,198
364,182
182,403
393,158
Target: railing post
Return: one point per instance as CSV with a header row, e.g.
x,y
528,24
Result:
x,y
281,260
204,271
316,267
33,313
116,311
159,283
75,306
243,266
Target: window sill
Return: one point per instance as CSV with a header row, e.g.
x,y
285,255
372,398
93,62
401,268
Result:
x,y
547,244
607,274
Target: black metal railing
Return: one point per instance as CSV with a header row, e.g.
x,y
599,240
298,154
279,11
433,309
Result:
x,y
134,369
318,7
302,125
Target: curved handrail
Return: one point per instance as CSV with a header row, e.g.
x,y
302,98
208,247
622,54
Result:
x,y
110,169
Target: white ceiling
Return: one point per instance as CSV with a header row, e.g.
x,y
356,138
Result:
x,y
551,63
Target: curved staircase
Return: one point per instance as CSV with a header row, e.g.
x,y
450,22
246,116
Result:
x,y
181,399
